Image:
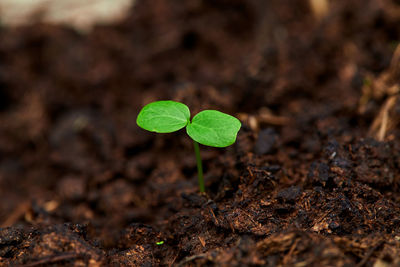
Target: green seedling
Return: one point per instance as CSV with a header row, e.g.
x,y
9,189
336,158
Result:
x,y
208,127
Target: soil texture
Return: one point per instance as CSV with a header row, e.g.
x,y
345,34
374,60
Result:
x,y
312,180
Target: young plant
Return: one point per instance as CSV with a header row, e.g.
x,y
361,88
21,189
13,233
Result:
x,y
208,127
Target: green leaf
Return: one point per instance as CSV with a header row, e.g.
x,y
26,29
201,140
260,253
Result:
x,y
213,128
163,116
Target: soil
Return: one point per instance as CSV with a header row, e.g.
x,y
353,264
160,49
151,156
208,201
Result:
x,y
313,179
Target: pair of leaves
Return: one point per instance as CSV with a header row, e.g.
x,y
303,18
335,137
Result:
x,y
208,127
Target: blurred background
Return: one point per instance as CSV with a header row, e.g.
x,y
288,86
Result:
x,y
74,75
81,16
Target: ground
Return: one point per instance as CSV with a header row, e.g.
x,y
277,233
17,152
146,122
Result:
x,y
312,180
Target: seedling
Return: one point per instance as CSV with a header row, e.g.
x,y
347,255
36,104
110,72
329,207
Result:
x,y
208,127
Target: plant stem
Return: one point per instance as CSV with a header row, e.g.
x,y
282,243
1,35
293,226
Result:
x,y
199,166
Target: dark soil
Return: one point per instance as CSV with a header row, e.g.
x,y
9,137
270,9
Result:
x,y
313,179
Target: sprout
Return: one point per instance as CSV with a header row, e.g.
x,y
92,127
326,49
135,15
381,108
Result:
x,y
208,127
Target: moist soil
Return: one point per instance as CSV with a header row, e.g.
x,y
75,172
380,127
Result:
x,y
312,180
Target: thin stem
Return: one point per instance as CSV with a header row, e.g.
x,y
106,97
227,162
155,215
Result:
x,y
199,166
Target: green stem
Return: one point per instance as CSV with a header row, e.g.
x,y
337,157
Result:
x,y
199,166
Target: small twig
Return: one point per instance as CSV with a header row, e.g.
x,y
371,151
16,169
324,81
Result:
x,y
19,211
293,247
231,226
203,243
380,125
251,175
191,258
214,217
384,122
